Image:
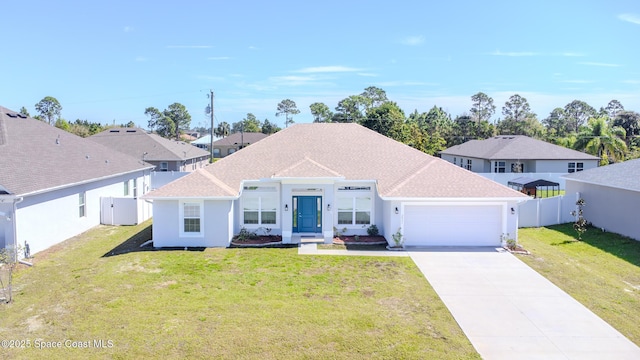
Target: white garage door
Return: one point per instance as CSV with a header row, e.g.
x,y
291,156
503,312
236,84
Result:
x,y
452,225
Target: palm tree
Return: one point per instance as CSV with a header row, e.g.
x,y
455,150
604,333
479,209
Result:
x,y
601,140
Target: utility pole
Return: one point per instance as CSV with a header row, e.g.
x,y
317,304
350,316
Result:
x,y
211,132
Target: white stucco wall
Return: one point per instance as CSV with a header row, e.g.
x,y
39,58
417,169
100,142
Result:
x,y
46,219
562,166
217,224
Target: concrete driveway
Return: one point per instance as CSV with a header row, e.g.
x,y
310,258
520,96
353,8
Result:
x,y
509,311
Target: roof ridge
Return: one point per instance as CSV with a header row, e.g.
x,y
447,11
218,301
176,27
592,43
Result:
x,y
420,168
308,159
216,181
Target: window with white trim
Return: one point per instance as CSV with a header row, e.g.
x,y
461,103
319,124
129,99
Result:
x,y
469,163
126,188
354,205
259,205
191,218
499,167
573,167
82,204
135,188
164,166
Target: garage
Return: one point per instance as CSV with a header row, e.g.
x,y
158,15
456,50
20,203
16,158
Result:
x,y
452,225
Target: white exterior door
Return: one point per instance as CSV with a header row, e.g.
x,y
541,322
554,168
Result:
x,y
452,225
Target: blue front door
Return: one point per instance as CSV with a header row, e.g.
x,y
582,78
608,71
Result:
x,y
307,215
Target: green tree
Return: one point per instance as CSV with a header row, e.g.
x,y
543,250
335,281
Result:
x,y
320,112
598,139
269,127
24,111
482,108
630,122
62,124
577,113
613,108
516,108
159,122
223,129
556,123
49,108
350,109
287,108
179,116
373,97
386,119
251,123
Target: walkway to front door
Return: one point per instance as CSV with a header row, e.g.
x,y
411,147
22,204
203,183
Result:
x,y
307,214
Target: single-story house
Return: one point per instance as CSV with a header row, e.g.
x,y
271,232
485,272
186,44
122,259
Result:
x,y
612,196
517,154
229,144
310,179
51,181
165,154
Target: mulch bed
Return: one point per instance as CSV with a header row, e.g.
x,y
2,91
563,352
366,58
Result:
x,y
360,240
258,241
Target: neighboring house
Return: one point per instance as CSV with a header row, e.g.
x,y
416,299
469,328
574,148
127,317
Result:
x,y
165,154
517,154
230,144
308,179
51,181
612,196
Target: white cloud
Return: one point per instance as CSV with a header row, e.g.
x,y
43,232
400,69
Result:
x,y
367,74
406,83
413,40
188,46
514,53
589,63
127,29
634,82
632,18
218,58
572,54
326,69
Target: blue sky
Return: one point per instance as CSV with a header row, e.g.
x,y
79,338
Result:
x,y
110,60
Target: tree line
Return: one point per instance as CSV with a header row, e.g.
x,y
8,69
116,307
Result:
x,y
611,132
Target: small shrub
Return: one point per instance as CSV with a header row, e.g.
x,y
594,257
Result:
x,y
339,232
398,239
245,235
580,226
372,230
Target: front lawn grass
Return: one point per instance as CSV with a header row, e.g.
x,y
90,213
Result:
x,y
225,303
602,271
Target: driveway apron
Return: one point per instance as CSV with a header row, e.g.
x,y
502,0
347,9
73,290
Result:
x,y
509,311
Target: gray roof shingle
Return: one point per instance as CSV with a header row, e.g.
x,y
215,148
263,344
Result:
x,y
515,147
333,150
135,142
237,138
35,157
624,175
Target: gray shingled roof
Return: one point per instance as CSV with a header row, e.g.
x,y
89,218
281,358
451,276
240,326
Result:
x,y
135,142
515,147
36,156
237,138
624,175
343,151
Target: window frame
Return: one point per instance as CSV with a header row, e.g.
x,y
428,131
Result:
x,y
500,167
165,167
354,193
182,218
469,164
126,188
82,204
261,193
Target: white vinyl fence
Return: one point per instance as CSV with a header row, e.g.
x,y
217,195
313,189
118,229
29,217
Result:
x,y
547,211
124,211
